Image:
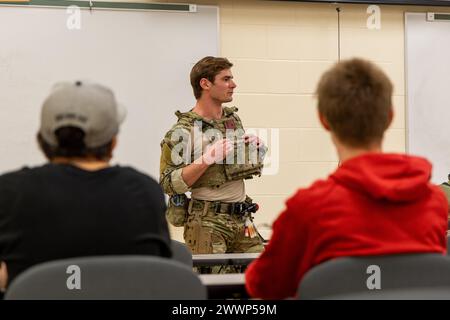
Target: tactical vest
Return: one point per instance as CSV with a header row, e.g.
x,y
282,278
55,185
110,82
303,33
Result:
x,y
244,167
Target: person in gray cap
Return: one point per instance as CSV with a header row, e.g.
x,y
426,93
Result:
x,y
78,204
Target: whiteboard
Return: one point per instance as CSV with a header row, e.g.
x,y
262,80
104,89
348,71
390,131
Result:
x,y
428,91
144,56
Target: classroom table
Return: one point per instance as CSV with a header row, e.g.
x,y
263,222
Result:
x,y
217,259
225,286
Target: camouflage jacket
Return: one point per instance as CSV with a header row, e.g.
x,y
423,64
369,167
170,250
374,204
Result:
x,y
178,150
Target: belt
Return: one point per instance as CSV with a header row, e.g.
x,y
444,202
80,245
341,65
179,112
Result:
x,y
224,207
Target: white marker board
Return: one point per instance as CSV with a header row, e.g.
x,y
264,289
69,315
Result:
x,y
144,56
428,91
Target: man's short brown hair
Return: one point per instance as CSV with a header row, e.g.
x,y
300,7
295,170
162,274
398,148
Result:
x,y
355,97
208,68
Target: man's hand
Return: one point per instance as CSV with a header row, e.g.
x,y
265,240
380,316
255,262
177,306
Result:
x,y
213,153
218,151
254,140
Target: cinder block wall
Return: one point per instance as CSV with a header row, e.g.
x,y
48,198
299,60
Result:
x,y
280,49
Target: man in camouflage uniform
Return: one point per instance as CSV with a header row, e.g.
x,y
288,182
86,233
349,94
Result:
x,y
195,157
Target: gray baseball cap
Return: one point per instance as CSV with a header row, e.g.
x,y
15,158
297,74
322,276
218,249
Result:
x,y
88,106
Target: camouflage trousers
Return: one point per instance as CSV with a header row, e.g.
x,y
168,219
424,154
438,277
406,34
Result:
x,y
211,232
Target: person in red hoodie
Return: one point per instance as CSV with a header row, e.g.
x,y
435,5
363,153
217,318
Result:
x,y
374,203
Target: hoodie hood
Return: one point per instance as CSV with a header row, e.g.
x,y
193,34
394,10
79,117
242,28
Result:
x,y
392,177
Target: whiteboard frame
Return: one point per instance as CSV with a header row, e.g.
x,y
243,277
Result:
x,y
102,5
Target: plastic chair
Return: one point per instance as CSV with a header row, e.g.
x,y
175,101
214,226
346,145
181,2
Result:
x,y
357,275
181,253
436,293
108,277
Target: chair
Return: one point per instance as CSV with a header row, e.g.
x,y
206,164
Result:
x,y
437,293
350,276
448,245
181,253
109,277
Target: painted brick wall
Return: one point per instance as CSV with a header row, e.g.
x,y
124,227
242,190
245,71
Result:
x,y
280,50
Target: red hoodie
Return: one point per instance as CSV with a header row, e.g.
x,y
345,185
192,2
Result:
x,y
374,204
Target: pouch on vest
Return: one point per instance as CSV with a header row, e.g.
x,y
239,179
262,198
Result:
x,y
177,210
247,162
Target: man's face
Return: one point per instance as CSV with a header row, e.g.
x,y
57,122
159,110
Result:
x,y
223,87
